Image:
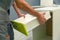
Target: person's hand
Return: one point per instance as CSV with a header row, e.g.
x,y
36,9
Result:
x,y
8,37
41,18
21,15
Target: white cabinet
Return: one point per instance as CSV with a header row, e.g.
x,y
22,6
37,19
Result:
x,y
38,32
34,29
55,22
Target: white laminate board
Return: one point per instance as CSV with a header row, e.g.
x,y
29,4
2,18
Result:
x,y
30,21
48,8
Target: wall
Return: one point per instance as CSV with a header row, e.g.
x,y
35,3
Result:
x,y
57,2
34,2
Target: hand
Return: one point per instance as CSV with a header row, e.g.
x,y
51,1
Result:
x,y
41,18
8,37
21,15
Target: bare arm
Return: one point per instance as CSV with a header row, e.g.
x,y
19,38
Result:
x,y
22,4
26,7
17,10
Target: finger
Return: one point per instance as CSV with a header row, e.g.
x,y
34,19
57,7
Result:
x,y
24,16
44,13
43,21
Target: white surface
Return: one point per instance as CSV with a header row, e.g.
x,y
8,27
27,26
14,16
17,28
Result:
x,y
30,21
20,36
48,8
46,2
56,24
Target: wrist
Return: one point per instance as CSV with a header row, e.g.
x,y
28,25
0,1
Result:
x,y
37,14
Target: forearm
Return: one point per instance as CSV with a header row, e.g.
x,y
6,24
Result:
x,y
27,8
16,9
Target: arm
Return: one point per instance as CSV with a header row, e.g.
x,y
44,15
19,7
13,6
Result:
x,y
17,10
27,8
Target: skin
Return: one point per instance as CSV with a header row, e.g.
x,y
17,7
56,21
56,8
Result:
x,y
23,5
18,10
